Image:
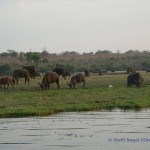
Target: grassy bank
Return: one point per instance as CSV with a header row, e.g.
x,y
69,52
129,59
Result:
x,y
29,100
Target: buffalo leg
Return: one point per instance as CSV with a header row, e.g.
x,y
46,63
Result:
x,y
128,84
28,80
7,85
4,86
48,86
25,80
74,84
84,84
57,82
137,85
12,85
17,81
45,86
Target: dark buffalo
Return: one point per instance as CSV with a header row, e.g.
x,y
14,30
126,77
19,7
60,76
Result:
x,y
48,78
147,71
130,70
134,78
31,70
78,78
67,73
60,71
6,81
87,74
100,72
38,73
20,73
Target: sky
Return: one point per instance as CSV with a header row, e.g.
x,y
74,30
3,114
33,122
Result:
x,y
74,25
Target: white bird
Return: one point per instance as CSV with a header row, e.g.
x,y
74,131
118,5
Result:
x,y
110,86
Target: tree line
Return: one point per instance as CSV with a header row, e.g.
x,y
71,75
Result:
x,y
74,61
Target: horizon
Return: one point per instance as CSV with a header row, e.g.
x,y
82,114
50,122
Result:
x,y
61,53
71,25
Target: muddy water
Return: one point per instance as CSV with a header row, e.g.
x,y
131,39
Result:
x,y
78,131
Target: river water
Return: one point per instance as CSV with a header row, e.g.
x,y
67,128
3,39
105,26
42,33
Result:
x,y
94,130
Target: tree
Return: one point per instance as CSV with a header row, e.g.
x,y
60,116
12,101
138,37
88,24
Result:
x,y
44,54
21,56
5,68
106,52
145,65
33,56
103,52
98,52
4,54
12,53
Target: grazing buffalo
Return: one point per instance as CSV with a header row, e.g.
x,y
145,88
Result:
x,y
6,81
78,78
31,70
147,71
48,78
130,70
67,73
100,72
134,78
20,73
87,74
60,71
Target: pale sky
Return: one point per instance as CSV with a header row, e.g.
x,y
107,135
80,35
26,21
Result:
x,y
74,25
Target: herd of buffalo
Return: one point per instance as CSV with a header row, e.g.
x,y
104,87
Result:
x,y
28,72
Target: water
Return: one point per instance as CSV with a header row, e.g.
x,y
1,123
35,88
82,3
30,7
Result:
x,y
78,131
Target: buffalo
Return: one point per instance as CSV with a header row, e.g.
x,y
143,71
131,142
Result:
x,y
31,70
87,74
100,72
77,78
48,78
20,73
134,78
147,71
60,71
67,73
130,70
6,81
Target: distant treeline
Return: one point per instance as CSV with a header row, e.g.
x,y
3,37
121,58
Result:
x,y
74,62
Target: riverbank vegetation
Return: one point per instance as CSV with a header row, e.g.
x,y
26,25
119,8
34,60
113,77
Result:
x,y
101,92
75,62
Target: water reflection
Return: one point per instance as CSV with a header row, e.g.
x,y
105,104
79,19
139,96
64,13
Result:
x,y
84,130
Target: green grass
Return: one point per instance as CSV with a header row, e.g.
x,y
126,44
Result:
x,y
29,100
